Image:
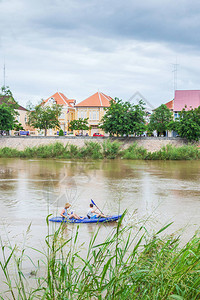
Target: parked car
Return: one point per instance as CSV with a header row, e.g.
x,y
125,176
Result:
x,y
23,132
97,134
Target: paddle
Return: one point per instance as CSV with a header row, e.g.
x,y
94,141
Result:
x,y
96,206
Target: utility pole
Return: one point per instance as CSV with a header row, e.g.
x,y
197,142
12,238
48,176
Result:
x,y
4,74
175,71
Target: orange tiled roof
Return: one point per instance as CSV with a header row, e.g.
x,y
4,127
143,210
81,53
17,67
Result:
x,y
61,99
98,100
170,104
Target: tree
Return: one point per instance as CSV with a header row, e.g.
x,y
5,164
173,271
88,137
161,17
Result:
x,y
18,126
8,108
44,117
5,91
188,125
80,124
160,119
7,98
7,119
124,118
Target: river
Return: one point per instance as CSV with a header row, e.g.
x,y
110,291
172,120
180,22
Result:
x,y
157,191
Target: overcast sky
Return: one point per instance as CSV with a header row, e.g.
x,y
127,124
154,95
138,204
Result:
x,y
117,47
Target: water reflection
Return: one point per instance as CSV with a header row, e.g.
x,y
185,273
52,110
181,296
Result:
x,y
32,189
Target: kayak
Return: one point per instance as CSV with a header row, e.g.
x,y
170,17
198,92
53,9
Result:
x,y
86,219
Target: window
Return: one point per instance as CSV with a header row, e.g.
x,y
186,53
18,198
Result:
x,y
176,115
94,115
82,114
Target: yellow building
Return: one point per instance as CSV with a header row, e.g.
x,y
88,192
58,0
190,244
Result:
x,y
68,111
22,118
93,109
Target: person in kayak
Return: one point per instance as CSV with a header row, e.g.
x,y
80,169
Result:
x,y
91,213
66,215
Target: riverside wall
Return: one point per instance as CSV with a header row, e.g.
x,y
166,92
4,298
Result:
x,y
150,143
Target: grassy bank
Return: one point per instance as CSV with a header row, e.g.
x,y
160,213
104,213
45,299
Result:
x,y
129,264
106,150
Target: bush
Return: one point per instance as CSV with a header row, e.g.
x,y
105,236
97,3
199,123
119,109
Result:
x,y
111,150
108,149
73,151
92,150
61,132
169,152
134,152
9,152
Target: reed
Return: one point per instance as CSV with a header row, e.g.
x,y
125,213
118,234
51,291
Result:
x,y
135,152
91,150
106,150
169,152
111,150
129,264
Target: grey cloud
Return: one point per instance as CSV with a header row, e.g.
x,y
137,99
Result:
x,y
163,21
80,46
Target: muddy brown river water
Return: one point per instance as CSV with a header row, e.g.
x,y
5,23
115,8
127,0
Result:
x,y
160,191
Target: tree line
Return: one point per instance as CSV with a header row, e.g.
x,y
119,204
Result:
x,y
120,119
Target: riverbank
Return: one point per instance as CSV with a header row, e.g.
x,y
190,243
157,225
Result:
x,y
151,144
107,149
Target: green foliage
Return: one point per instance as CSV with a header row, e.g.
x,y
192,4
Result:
x,y
135,152
8,108
5,91
91,150
188,125
123,118
44,117
18,126
111,150
80,124
7,119
108,150
169,152
8,100
10,152
61,132
160,119
73,151
129,263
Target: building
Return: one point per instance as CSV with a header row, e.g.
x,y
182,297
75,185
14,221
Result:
x,y
68,111
93,108
185,99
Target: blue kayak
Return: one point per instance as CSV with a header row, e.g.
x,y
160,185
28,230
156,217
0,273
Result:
x,y
86,219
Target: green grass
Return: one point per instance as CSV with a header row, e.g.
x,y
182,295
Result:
x,y
105,150
128,264
169,152
135,152
111,150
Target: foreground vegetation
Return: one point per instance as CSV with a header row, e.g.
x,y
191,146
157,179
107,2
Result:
x,y
129,264
106,150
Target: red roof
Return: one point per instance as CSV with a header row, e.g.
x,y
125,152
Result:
x,y
170,104
189,98
97,100
61,99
